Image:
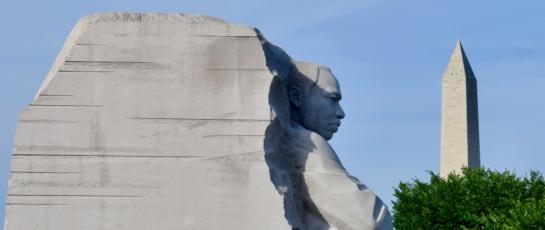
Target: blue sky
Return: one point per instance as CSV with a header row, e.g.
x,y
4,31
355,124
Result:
x,y
389,57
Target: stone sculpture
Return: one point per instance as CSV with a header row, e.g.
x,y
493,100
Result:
x,y
318,192
157,121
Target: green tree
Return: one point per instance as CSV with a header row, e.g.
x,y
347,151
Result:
x,y
475,199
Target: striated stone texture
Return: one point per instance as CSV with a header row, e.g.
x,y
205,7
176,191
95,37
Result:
x,y
147,121
158,121
459,116
318,192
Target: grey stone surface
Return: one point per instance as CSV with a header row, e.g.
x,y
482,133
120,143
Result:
x,y
147,121
459,116
318,192
157,121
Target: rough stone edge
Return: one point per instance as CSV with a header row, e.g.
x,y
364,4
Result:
x,y
82,26
77,31
146,17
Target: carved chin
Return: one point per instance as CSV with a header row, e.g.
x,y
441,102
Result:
x,y
327,135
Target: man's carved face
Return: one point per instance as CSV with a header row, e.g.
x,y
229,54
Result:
x,y
319,109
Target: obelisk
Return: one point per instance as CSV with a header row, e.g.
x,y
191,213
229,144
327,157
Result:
x,y
459,115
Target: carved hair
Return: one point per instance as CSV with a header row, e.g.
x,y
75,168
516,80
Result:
x,y
304,75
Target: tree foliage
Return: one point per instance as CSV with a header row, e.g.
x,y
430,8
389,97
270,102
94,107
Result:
x,y
475,199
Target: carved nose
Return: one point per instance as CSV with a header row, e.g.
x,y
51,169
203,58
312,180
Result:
x,y
340,113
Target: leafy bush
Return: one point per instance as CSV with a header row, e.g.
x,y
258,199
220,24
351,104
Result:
x,y
475,199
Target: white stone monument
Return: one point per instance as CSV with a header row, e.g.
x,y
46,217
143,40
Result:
x,y
158,121
459,115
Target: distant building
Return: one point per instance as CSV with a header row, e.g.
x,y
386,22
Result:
x,y
459,115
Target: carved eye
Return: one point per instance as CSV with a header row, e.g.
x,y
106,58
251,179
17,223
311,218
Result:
x,y
334,97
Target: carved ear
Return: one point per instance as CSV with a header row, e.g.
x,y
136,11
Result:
x,y
296,95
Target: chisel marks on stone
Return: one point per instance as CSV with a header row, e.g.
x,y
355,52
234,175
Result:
x,y
199,119
53,148
44,172
235,135
46,121
74,195
247,156
65,105
36,204
103,155
114,65
56,95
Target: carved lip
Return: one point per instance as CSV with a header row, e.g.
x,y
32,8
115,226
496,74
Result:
x,y
335,126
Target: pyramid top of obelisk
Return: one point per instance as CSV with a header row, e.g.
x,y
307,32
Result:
x,y
459,63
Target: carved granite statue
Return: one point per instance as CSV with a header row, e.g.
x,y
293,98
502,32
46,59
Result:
x,y
318,192
157,121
